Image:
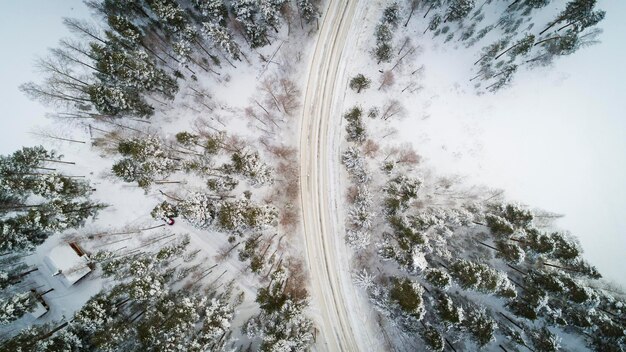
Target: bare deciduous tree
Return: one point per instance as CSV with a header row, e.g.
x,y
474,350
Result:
x,y
352,193
288,96
370,148
392,108
281,93
296,286
406,155
386,80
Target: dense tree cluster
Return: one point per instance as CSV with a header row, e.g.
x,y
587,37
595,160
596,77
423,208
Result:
x,y
384,33
36,203
116,70
281,325
141,313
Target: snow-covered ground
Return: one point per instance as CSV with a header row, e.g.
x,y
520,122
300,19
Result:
x,y
553,140
29,29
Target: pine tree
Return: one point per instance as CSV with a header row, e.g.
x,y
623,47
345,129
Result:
x,y
510,252
60,202
383,50
433,338
355,128
544,340
248,163
449,312
214,11
400,190
407,295
118,66
480,277
281,325
438,278
391,15
481,326
360,82
145,160
222,38
164,210
355,164
247,12
15,307
577,13
458,9
116,101
308,10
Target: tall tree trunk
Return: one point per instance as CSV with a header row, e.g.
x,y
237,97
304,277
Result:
x,y
410,15
430,8
551,25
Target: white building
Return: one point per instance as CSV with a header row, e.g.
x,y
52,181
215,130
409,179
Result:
x,y
68,262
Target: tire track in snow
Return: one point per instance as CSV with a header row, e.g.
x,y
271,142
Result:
x,y
336,333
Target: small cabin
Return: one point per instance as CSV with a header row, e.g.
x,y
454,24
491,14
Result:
x,y
69,262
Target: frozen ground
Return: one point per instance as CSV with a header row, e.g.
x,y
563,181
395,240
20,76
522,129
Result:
x,y
29,28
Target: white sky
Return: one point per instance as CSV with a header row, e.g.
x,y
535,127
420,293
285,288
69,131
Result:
x,y
567,140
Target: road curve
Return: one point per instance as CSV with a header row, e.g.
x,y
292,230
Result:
x,y
335,329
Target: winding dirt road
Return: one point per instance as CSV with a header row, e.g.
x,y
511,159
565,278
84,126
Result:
x,y
316,155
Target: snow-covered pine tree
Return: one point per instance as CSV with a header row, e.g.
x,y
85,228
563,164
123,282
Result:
x,y
360,82
391,15
401,191
222,38
459,9
383,50
480,325
247,13
248,163
15,306
213,11
145,160
544,340
449,311
116,101
438,278
60,202
355,128
119,66
481,277
355,164
433,338
578,14
282,324
308,10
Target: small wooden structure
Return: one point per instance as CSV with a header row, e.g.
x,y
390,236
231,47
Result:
x,y
69,262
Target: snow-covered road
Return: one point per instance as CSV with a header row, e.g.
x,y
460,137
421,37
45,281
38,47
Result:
x,y
325,249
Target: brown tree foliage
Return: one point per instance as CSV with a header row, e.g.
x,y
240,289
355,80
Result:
x,y
296,284
370,148
386,80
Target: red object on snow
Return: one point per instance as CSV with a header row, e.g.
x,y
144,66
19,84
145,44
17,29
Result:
x,y
169,221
